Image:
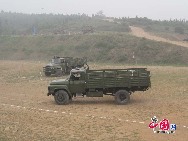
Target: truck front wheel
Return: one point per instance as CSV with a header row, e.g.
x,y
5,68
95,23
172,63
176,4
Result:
x,y
61,97
122,97
47,73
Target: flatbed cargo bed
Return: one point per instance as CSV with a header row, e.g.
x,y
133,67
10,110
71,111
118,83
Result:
x,y
129,78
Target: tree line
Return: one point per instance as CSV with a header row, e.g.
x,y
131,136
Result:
x,y
31,24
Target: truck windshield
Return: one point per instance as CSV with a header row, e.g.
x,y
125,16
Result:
x,y
56,61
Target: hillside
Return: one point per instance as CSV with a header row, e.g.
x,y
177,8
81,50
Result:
x,y
100,38
99,47
139,32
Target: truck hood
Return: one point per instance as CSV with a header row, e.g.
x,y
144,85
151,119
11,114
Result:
x,y
52,65
60,82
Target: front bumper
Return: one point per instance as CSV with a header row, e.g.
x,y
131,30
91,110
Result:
x,y
48,70
50,91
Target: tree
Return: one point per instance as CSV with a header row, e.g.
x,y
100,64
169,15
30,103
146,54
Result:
x,y
100,14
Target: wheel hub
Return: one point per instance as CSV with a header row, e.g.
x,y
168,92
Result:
x,y
122,97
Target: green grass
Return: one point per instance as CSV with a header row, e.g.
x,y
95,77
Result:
x,y
107,47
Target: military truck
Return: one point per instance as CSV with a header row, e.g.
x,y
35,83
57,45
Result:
x,y
120,83
63,65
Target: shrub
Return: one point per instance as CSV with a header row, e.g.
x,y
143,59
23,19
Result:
x,y
179,30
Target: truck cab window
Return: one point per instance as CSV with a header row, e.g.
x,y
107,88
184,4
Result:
x,y
75,76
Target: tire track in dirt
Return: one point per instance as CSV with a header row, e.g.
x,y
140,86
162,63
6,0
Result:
x,y
68,113
86,116
139,32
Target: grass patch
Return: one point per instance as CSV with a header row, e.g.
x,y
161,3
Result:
x,y
104,47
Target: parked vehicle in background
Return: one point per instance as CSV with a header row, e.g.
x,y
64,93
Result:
x,y
63,65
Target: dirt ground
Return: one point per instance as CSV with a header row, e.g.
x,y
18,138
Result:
x,y
139,32
28,114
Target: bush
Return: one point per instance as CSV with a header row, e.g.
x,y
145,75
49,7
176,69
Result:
x,y
179,30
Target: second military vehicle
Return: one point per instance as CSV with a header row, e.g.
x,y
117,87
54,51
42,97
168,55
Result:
x,y
63,65
119,83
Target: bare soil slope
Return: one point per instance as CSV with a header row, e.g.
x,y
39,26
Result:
x,y
27,114
139,32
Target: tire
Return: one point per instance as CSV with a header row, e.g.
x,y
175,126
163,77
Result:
x,y
122,97
61,97
47,73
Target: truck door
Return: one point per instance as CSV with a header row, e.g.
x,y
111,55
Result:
x,y
77,84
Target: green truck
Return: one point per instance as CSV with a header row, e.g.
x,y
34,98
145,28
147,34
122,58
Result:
x,y
120,83
63,65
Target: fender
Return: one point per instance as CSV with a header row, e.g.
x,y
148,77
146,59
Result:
x,y
53,88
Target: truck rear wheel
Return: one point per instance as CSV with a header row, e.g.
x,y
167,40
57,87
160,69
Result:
x,y
61,97
122,97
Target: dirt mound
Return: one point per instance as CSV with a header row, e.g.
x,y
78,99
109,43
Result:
x,y
139,32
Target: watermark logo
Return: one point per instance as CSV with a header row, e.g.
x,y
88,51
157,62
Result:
x,y
163,126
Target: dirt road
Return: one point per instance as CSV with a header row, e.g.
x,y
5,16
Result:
x,y
139,32
27,114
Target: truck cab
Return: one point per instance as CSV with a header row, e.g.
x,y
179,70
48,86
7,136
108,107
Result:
x,y
77,83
